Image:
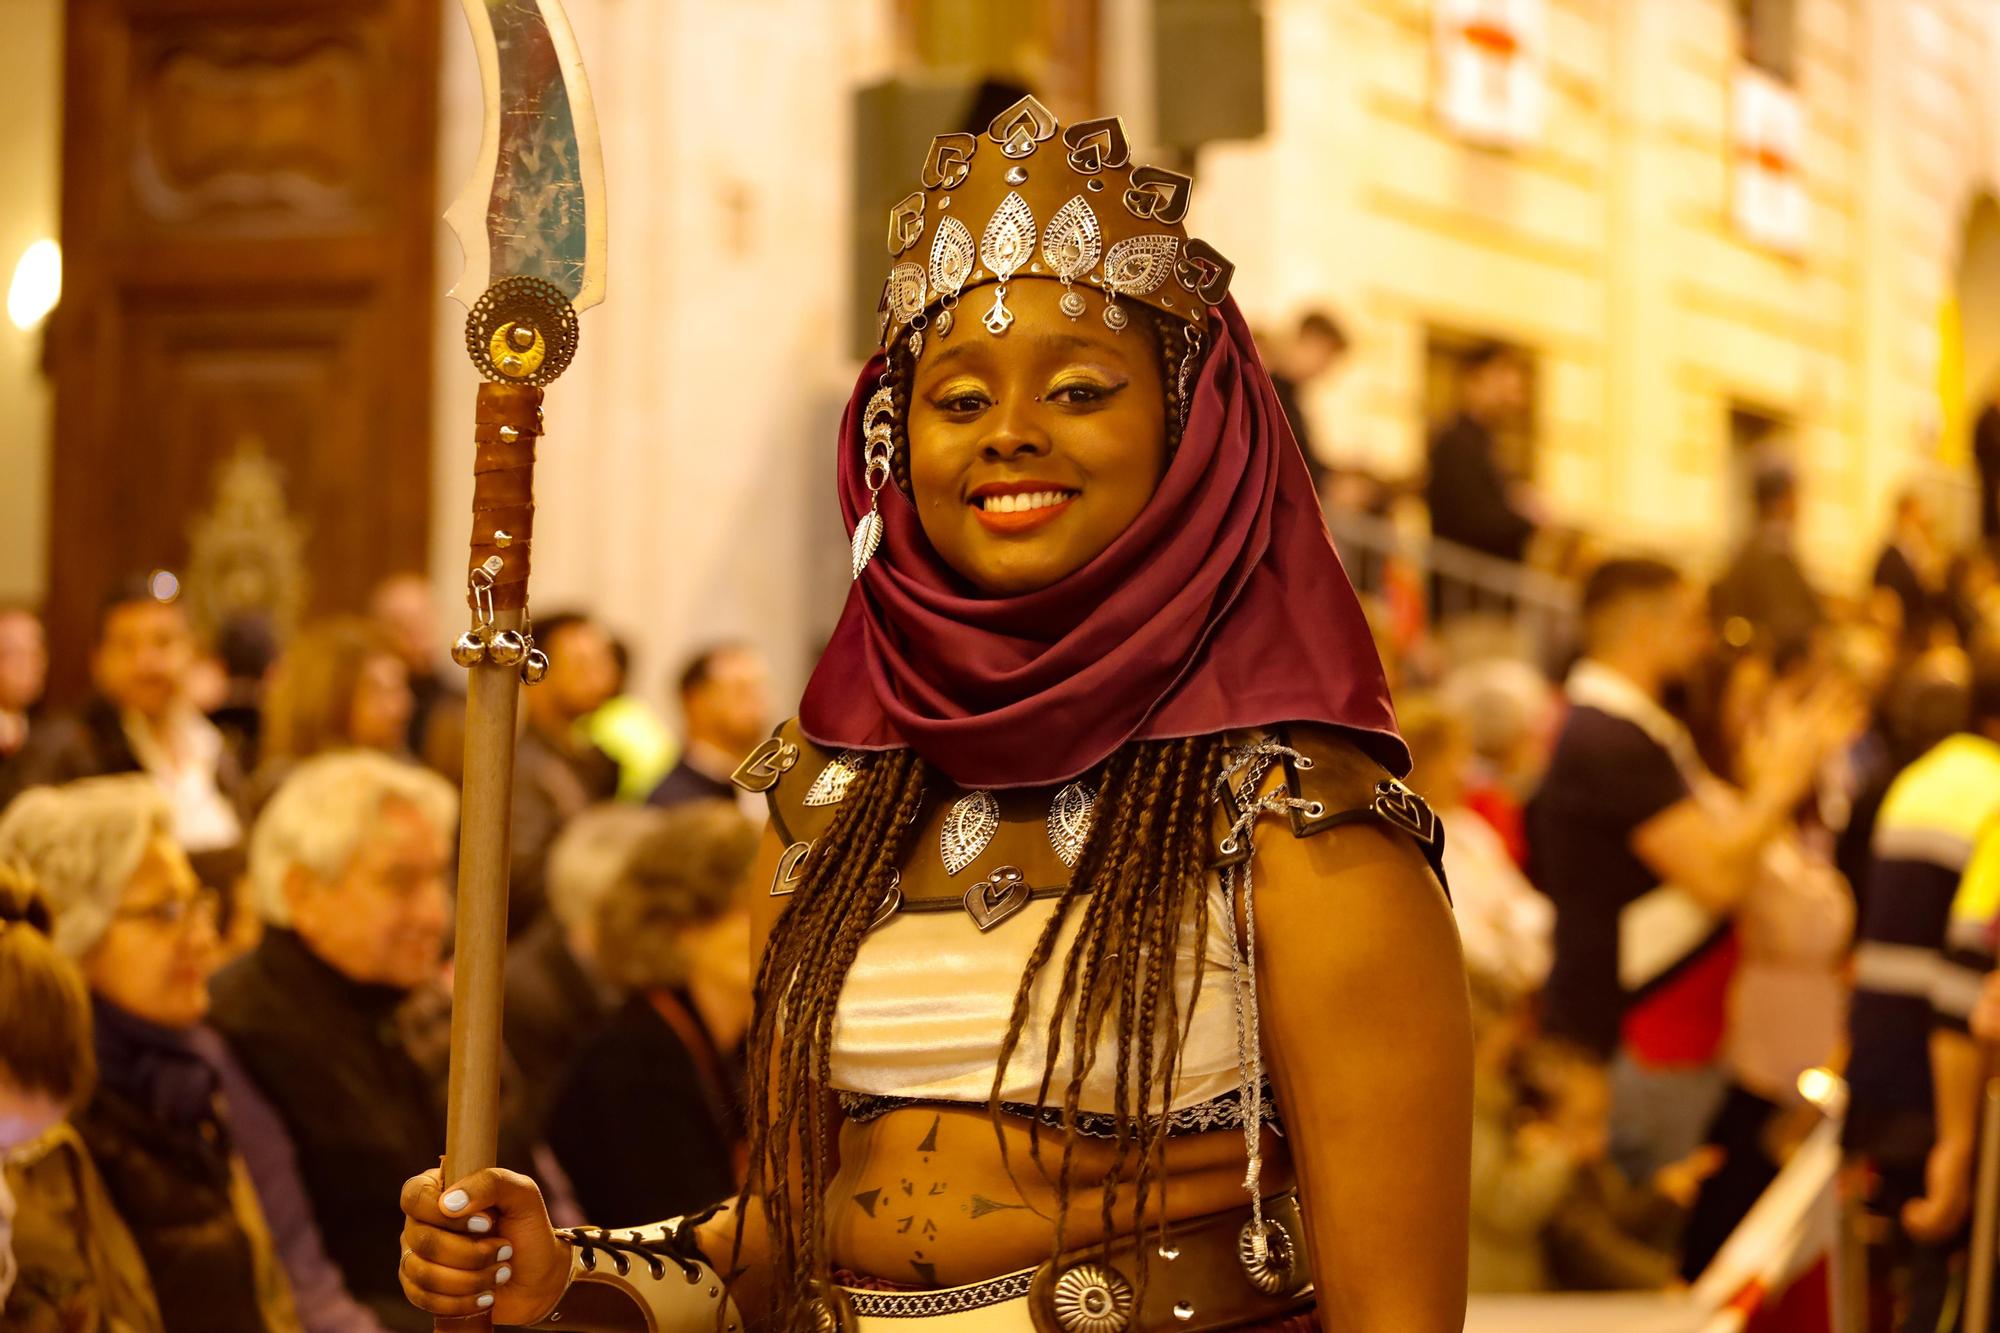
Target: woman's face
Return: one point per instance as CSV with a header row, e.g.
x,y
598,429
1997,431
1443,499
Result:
x,y
155,959
380,715
1031,452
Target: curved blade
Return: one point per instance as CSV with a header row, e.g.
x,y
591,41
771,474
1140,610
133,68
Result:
x,y
535,203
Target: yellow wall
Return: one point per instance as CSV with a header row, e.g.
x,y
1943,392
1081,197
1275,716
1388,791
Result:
x,y
1609,248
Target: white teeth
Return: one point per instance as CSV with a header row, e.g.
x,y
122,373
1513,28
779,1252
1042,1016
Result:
x,y
1014,504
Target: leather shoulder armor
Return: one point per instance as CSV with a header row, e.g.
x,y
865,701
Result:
x,y
802,783
1329,782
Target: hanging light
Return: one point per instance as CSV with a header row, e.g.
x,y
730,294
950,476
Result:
x,y
36,286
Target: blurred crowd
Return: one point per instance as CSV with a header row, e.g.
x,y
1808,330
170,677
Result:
x,y
1723,832
225,910
1704,835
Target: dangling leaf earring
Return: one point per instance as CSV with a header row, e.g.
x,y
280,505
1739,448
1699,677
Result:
x,y
878,452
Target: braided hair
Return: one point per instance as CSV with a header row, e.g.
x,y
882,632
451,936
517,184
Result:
x,y
1139,881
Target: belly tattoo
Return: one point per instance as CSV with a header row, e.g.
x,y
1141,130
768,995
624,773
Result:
x,y
920,1205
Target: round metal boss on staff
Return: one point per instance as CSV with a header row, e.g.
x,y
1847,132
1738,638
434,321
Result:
x,y
522,331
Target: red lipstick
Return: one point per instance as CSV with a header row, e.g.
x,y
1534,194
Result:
x,y
1010,507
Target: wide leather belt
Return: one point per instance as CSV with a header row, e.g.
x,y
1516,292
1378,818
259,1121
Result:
x,y
1204,1274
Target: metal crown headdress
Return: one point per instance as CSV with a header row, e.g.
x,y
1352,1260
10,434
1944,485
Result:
x,y
1032,199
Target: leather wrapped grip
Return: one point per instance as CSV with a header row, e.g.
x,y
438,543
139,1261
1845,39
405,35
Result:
x,y
507,423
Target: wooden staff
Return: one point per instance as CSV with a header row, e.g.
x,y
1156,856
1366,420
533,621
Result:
x,y
1985,1216
507,423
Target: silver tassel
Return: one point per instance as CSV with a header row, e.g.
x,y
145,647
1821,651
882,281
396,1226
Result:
x,y
1250,763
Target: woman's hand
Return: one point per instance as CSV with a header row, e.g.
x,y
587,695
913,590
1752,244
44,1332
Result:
x,y
483,1246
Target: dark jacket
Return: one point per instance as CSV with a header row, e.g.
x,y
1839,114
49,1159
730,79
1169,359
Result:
x,y
85,744
363,1117
553,784
1766,585
158,1135
1986,457
685,784
553,1009
648,1122
91,743
1467,493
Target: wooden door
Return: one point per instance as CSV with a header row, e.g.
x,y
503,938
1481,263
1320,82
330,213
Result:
x,y
247,222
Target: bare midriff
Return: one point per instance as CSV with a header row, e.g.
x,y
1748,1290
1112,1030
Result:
x,y
923,1196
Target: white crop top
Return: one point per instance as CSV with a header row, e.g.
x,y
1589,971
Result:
x,y
926,1007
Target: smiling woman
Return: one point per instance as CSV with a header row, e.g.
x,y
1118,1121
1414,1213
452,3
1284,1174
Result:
x,y
1029,455
1104,981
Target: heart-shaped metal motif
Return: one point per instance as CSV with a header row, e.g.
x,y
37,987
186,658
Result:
x,y
949,162
906,222
1097,145
1203,271
791,869
891,901
1405,809
1022,126
1159,195
997,897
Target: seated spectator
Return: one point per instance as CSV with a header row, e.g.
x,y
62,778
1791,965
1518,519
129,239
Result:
x,y
47,1067
405,606
557,997
347,866
1609,1233
140,720
24,670
558,773
157,1129
1520,1172
1504,924
246,647
1510,712
725,695
648,1123
339,686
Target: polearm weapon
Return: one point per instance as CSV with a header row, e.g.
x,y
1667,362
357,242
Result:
x,y
531,220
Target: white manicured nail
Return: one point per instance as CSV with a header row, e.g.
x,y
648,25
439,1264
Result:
x,y
500,1278
485,1299
479,1222
454,1201
506,1253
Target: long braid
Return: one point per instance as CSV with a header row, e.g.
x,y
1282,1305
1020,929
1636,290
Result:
x,y
846,877
1144,869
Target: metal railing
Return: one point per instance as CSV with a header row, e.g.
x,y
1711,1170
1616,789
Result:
x,y
1458,582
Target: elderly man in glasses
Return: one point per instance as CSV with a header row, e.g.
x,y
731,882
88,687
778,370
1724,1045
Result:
x,y
348,866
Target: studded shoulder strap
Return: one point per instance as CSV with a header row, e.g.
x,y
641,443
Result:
x,y
1332,783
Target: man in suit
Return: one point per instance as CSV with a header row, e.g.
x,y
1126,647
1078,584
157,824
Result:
x,y
726,705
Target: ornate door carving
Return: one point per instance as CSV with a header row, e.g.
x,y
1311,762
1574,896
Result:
x,y
248,221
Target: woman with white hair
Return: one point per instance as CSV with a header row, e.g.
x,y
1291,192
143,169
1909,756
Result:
x,y
185,1228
